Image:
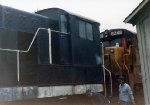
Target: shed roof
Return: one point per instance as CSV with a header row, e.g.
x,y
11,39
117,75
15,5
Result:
x,y
136,12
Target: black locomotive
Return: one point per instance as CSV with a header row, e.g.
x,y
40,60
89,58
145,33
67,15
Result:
x,y
48,48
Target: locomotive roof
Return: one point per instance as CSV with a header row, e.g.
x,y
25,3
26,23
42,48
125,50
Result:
x,y
7,7
123,30
116,33
119,29
79,16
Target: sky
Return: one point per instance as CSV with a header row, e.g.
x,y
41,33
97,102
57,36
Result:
x,y
109,13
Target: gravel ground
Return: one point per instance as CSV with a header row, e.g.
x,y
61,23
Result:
x,y
69,100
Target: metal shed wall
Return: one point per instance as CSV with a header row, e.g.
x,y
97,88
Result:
x,y
141,18
144,42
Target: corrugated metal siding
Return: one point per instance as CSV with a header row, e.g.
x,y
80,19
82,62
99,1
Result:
x,y
144,48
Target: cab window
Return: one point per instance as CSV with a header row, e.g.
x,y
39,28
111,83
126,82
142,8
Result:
x,y
85,30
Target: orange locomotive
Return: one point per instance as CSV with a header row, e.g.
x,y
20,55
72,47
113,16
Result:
x,y
121,56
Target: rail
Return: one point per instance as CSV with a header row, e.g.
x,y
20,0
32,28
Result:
x,y
118,65
124,63
104,68
126,68
30,45
49,32
131,52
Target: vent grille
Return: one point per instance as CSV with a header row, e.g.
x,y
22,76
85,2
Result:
x,y
22,22
8,20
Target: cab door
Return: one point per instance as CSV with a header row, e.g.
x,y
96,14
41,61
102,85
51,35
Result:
x,y
65,50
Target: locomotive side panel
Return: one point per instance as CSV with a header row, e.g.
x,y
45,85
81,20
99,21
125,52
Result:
x,y
16,32
73,61
76,60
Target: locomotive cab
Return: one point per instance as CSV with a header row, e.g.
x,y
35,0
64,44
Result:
x,y
78,35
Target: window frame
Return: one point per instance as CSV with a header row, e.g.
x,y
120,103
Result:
x,y
63,23
85,27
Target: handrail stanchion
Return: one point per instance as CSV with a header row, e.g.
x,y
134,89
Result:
x,y
50,50
30,45
104,68
18,64
110,81
18,52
